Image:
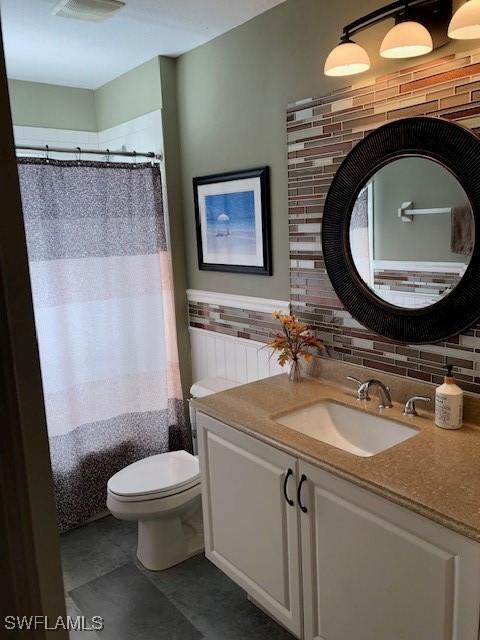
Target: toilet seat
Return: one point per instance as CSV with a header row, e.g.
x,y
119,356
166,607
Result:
x,y
158,476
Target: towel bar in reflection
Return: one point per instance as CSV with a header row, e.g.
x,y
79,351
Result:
x,y
406,211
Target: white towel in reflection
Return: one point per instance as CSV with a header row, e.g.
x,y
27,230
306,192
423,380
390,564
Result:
x,y
463,232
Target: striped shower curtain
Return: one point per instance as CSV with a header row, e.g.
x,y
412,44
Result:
x,y
103,300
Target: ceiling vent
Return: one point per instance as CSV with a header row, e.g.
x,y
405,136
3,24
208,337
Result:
x,y
93,10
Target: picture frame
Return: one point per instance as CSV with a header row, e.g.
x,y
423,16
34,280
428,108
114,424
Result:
x,y
232,218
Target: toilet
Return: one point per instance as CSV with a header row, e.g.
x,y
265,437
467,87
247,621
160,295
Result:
x,y
163,493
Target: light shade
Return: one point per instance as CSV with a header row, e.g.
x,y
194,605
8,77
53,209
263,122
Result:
x,y
346,59
465,24
406,40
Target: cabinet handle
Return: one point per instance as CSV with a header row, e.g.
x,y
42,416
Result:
x,y
299,493
287,476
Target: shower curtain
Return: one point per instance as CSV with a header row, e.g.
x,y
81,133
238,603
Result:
x,y
359,236
104,313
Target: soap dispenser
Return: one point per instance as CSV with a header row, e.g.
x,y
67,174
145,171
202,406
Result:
x,y
449,403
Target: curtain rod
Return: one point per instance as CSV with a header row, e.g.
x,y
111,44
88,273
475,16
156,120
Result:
x,y
99,152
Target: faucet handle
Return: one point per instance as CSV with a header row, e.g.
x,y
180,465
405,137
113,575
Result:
x,y
356,380
410,408
362,388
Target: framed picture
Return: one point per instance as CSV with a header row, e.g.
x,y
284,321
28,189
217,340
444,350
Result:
x,y
232,214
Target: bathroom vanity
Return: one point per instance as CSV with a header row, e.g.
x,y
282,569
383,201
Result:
x,y
340,520
381,544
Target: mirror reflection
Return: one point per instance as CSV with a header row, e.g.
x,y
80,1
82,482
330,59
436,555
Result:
x,y
412,232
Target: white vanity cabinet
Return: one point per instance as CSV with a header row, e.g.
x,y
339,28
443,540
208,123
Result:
x,y
370,569
375,571
251,532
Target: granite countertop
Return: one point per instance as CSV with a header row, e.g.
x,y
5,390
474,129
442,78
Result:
x,y
436,473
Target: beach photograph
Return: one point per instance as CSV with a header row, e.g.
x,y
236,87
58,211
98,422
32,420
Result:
x,y
230,220
232,212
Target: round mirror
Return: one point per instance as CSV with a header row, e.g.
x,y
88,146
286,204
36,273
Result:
x,y
401,230
412,232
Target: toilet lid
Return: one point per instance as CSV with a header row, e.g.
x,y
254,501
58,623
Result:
x,y
159,474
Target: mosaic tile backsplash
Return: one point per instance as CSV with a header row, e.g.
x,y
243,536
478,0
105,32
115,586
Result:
x,y
321,132
232,321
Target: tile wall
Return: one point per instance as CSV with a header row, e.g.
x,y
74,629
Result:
x,y
232,321
140,134
321,132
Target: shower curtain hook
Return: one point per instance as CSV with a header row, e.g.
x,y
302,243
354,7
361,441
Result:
x,y
79,155
134,157
108,156
46,152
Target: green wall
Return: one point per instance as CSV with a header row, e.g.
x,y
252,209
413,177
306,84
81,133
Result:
x,y
233,92
428,185
129,96
35,104
229,113
168,75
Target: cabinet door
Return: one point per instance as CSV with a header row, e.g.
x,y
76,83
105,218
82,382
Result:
x,y
251,532
373,570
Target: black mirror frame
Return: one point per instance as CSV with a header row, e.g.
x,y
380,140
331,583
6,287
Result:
x,y
458,150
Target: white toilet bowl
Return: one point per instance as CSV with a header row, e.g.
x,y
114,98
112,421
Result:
x,y
162,492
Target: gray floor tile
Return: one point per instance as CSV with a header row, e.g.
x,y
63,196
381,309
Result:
x,y
192,593
88,552
132,608
213,603
122,533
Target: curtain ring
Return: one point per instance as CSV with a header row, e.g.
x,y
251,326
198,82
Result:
x,y
47,153
79,154
108,156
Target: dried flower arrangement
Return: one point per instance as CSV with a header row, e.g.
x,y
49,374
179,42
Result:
x,y
296,340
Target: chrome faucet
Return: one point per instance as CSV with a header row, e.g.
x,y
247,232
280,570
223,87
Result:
x,y
384,397
410,409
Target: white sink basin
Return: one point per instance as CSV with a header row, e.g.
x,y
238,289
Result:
x,y
347,428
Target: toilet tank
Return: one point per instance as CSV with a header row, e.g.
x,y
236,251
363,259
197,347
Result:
x,y
203,388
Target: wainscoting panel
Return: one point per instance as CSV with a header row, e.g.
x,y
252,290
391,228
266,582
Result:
x,y
238,359
228,334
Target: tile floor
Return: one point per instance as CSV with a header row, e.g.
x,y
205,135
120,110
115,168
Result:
x,y
192,601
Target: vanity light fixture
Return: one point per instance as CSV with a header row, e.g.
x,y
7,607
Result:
x,y
465,24
409,37
346,59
